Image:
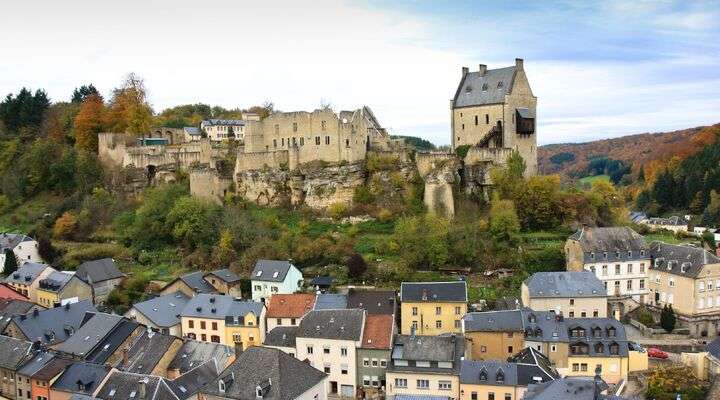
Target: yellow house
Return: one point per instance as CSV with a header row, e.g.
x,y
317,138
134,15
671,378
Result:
x,y
432,308
224,320
59,286
27,278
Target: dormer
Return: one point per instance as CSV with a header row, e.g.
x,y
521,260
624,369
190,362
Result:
x,y
483,374
684,267
500,376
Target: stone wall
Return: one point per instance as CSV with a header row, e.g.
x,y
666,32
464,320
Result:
x,y
261,160
207,184
429,162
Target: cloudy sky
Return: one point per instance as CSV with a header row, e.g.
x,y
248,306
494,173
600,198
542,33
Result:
x,y
599,69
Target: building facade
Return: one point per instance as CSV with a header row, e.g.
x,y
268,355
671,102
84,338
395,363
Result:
x,y
271,277
61,287
23,247
373,354
27,278
575,294
288,309
432,308
224,320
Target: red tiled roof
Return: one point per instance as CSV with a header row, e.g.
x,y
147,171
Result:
x,y
290,305
6,292
378,331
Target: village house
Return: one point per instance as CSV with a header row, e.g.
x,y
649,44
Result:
x,y
102,275
494,111
493,335
79,378
432,308
12,307
36,376
194,353
49,327
504,380
426,365
14,353
265,373
220,130
127,385
373,301
223,319
225,282
571,388
373,353
282,338
27,278
674,224
688,278
89,339
575,294
288,309
271,277
330,301
328,339
189,284
161,313
192,134
619,257
149,353
23,247
61,287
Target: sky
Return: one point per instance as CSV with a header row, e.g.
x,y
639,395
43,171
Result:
x,y
599,69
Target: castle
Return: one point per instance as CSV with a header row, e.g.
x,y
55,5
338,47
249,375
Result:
x,y
493,112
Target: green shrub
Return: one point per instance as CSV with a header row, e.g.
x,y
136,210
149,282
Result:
x,y
337,210
380,162
363,195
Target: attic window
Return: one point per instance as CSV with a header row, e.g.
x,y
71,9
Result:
x,y
592,256
221,386
258,273
275,274
500,85
468,89
484,87
642,252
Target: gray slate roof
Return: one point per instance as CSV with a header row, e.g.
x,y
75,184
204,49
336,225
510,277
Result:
x,y
476,89
680,260
434,291
26,273
330,301
112,342
126,385
225,275
332,324
215,121
56,281
90,375
611,244
435,349
196,281
10,240
283,376
39,360
163,311
13,352
529,366
215,306
270,270
146,351
568,388
494,321
191,382
374,302
12,307
565,284
193,353
281,336
191,130
99,270
90,334
60,321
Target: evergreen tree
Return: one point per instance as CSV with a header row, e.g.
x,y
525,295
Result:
x,y
667,318
356,266
83,92
10,262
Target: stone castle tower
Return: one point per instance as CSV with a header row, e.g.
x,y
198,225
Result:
x,y
494,112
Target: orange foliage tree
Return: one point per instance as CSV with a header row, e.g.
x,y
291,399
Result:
x,y
89,122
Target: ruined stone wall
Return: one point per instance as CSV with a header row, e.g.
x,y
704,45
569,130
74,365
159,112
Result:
x,y
428,162
207,184
440,173
112,148
261,160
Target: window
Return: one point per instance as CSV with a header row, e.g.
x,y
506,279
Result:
x,y
438,324
414,311
508,396
583,314
282,142
491,396
366,362
709,285
214,326
302,141
671,282
457,324
476,120
510,349
374,362
383,363
463,128
617,269
191,324
604,270
571,314
641,284
457,311
414,324
317,140
215,339
344,369
423,384
444,385
553,348
487,119
202,324
323,125
629,284
596,313
294,126
326,350
438,310
343,351
583,367
483,349
642,268
326,368
400,383
473,396
203,337
366,380
309,349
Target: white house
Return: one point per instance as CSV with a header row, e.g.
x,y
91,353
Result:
x,y
274,277
22,246
329,339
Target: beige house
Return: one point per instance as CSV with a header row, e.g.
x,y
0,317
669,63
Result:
x,y
27,278
574,294
427,365
61,287
22,247
688,278
494,112
619,257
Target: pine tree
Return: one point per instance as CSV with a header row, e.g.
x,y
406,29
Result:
x,y
667,318
10,262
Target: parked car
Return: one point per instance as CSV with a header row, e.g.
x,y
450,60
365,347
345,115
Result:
x,y
657,353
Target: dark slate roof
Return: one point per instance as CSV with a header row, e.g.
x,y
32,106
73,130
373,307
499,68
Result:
x,y
330,301
435,349
191,382
525,113
56,281
126,385
680,259
60,321
610,244
26,273
714,348
332,324
225,275
13,352
504,373
494,321
12,307
281,336
374,302
52,369
434,291
191,130
112,342
589,324
90,334
476,89
215,306
193,353
565,284
10,240
238,122
90,375
163,311
99,270
321,281
196,281
39,360
146,351
270,270
283,376
576,388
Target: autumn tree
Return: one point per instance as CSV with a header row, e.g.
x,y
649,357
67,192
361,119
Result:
x,y
129,109
504,222
88,123
64,226
538,204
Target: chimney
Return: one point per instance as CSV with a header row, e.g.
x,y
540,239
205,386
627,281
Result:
x,y
424,294
238,349
483,69
142,388
465,70
125,360
519,63
36,312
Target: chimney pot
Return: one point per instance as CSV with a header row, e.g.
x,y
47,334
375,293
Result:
x,y
519,63
465,70
482,68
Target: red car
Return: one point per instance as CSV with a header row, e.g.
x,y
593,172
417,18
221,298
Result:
x,y
657,353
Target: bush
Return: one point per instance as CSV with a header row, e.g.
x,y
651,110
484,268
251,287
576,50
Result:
x,y
670,383
363,195
380,162
64,226
645,317
461,151
337,210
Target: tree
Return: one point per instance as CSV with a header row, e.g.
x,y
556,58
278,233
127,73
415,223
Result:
x,y
10,262
129,110
65,225
193,222
83,92
224,253
508,180
504,222
89,121
538,203
667,318
356,266
24,112
422,240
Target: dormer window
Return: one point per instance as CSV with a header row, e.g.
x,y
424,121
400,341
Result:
x,y
468,89
614,349
532,318
221,386
500,377
500,85
642,252
605,255
597,332
599,348
617,254
592,256
484,87
483,375
275,274
611,331
629,253
259,273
